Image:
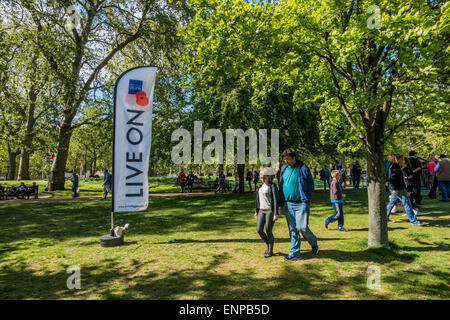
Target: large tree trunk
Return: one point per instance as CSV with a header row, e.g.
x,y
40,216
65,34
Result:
x,y
95,163
378,232
24,164
12,164
241,179
56,179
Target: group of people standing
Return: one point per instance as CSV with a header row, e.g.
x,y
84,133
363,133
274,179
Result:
x,y
252,177
355,174
438,175
107,184
403,182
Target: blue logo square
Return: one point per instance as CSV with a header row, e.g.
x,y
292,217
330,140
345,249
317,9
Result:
x,y
134,86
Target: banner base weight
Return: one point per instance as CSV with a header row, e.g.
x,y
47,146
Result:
x,y
111,241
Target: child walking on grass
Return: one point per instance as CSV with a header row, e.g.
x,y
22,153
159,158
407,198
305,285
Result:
x,y
337,200
266,208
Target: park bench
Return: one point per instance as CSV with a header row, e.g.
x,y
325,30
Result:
x,y
10,193
2,193
33,191
207,186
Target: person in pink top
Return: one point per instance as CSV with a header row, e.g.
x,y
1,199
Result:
x,y
432,179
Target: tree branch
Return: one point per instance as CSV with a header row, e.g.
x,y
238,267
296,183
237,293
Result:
x,y
390,131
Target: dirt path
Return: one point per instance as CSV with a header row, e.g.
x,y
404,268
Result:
x,y
87,198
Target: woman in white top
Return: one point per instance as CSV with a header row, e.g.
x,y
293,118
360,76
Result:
x,y
266,208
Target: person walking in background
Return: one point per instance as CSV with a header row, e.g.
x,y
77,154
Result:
x,y
107,183
255,178
352,176
182,179
328,175
249,179
344,178
190,181
337,166
432,179
409,181
296,190
356,170
325,177
337,201
443,176
397,187
220,182
74,185
236,180
387,165
266,211
417,170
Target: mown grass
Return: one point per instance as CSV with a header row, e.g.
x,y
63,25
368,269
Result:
x,y
206,247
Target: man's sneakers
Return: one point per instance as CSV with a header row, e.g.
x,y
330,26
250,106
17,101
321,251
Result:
x,y
342,229
418,223
315,250
326,223
291,258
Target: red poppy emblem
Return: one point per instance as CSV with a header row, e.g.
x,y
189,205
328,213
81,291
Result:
x,y
141,98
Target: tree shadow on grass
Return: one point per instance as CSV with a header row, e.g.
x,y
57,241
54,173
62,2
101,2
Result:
x,y
367,229
236,240
62,221
295,280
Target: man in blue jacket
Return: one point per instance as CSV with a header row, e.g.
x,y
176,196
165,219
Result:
x,y
296,188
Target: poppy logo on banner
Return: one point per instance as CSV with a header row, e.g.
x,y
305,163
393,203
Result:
x,y
135,94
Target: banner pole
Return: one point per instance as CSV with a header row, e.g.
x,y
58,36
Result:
x,y
112,219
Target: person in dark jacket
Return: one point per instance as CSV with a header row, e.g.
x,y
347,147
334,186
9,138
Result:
x,y
324,176
409,181
337,200
249,179
107,183
266,212
397,187
74,181
356,172
190,181
255,178
417,171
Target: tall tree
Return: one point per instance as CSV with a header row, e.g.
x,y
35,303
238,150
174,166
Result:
x,y
376,64
373,65
79,39
222,75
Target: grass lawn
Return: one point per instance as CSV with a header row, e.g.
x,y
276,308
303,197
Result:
x,y
206,247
